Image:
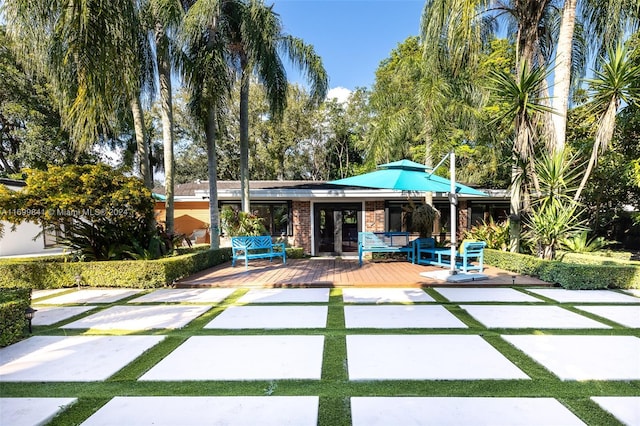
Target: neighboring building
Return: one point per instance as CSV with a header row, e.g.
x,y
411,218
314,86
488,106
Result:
x,y
322,218
27,238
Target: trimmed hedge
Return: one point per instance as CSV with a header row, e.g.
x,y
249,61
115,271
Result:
x,y
596,259
125,273
568,275
13,324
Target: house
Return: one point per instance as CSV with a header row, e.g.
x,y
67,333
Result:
x,y
27,238
322,218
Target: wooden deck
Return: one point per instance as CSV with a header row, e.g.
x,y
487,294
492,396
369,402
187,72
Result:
x,y
330,272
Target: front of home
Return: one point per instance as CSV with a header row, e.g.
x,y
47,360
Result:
x,y
324,219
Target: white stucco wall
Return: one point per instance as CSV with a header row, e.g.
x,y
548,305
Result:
x,y
21,241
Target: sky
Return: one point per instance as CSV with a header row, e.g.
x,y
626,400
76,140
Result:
x,y
351,36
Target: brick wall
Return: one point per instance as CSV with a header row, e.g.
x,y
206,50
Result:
x,y
301,216
374,216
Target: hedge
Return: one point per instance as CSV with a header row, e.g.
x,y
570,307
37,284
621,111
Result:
x,y
568,275
13,324
125,273
596,259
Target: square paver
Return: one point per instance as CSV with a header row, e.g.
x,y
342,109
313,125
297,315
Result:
x,y
186,295
140,317
39,294
629,316
263,317
584,296
242,358
31,411
47,315
488,294
286,295
583,357
509,316
400,316
426,357
385,411
624,408
70,358
633,291
91,296
206,410
385,295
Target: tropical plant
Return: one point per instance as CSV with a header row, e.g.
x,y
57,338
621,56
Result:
x,y
618,81
522,97
239,223
496,235
423,217
581,243
102,213
552,223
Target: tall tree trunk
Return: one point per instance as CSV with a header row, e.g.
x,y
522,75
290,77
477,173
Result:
x,y
515,219
141,142
164,71
244,136
562,74
211,133
604,135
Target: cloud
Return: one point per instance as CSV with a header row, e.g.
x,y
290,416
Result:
x,y
340,94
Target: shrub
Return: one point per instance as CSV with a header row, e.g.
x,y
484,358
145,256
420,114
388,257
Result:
x,y
13,303
238,223
568,275
496,235
126,273
295,252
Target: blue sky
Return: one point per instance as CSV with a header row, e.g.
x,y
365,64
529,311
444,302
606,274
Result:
x,y
351,36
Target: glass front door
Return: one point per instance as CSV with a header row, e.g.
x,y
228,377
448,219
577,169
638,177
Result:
x,y
336,228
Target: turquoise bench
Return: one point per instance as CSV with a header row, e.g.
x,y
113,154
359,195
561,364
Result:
x,y
469,258
383,242
256,247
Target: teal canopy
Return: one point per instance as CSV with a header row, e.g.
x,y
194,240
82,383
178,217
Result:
x,y
405,175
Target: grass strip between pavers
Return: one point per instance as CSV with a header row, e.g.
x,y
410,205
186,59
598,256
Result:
x,y
334,389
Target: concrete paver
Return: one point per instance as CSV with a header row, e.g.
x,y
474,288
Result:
x,y
140,317
70,358
488,294
584,296
31,411
583,357
442,411
286,295
185,295
629,316
385,295
48,315
204,410
242,358
90,296
513,316
400,316
426,357
265,317
624,408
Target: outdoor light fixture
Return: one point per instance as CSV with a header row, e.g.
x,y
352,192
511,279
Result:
x,y
29,313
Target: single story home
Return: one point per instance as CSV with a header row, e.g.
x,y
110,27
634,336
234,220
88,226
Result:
x,y
322,218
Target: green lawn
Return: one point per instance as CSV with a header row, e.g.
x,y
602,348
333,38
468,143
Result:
x,y
334,389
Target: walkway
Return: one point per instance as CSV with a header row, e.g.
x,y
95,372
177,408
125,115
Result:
x,y
332,272
326,356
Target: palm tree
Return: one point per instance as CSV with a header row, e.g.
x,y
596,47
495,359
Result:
x,y
164,16
618,81
525,106
94,55
607,22
207,76
256,39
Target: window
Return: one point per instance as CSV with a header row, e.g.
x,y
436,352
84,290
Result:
x,y
276,216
